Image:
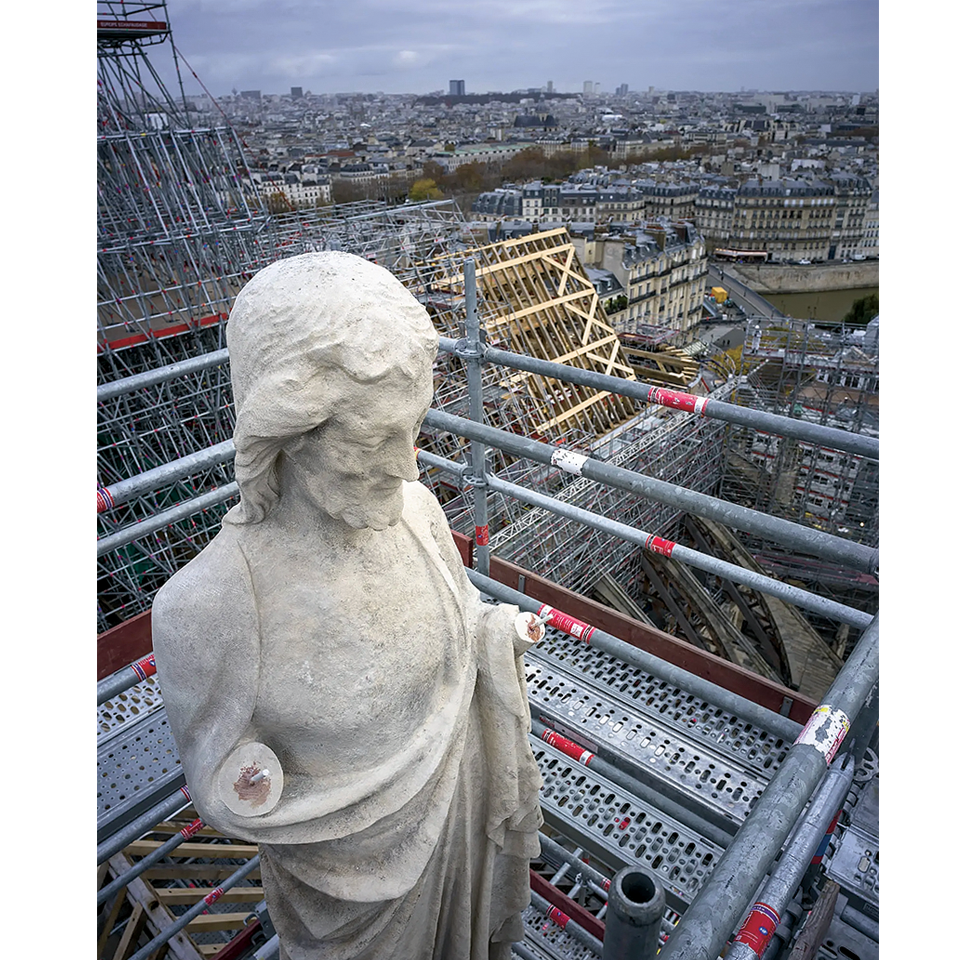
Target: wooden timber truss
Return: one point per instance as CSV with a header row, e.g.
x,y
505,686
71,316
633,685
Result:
x,y
534,297
132,917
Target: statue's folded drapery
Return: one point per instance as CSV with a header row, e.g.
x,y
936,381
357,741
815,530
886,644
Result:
x,y
409,813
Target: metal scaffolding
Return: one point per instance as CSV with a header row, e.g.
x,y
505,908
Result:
x,y
678,763
814,374
180,229
633,709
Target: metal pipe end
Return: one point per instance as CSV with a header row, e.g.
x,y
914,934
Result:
x,y
637,895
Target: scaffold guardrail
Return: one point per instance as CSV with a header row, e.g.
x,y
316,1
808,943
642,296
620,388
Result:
x,y
713,900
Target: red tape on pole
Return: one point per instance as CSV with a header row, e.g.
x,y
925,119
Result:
x,y
558,917
483,535
758,928
192,829
146,667
104,500
567,747
659,545
825,842
566,623
678,400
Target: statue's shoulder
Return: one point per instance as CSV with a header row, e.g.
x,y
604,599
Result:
x,y
214,581
419,497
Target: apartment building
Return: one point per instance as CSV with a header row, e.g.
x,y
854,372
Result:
x,y
788,219
296,189
853,195
785,218
713,211
499,204
675,201
661,268
869,245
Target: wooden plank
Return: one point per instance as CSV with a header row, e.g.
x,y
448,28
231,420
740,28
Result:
x,y
158,916
196,871
109,919
211,922
538,308
211,851
190,895
121,645
582,350
131,933
572,412
817,924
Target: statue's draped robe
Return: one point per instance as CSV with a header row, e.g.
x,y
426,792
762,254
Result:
x,y
409,810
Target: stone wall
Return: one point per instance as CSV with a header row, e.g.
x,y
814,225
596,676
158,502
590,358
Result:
x,y
797,278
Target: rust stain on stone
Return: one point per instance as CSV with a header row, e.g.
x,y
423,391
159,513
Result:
x,y
254,793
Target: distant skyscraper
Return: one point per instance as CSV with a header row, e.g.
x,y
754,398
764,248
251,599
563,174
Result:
x,y
622,90
458,88
296,92
549,86
588,86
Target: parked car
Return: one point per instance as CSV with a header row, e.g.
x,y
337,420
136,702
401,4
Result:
x,y
805,262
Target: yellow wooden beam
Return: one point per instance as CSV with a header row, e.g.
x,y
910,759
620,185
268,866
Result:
x,y
211,922
539,307
572,412
210,851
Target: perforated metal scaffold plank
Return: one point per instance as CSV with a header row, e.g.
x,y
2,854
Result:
x,y
620,829
650,728
547,940
136,768
126,708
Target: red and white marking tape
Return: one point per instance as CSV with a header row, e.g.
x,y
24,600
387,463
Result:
x,y
678,400
568,747
566,623
825,730
191,830
759,927
146,667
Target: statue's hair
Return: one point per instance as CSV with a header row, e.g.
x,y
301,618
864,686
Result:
x,y
306,335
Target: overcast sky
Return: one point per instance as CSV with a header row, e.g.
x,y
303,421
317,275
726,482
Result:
x,y
417,46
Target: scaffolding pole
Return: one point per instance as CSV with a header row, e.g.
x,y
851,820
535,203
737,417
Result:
x,y
655,544
708,922
678,400
789,534
765,719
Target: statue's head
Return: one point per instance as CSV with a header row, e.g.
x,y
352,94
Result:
x,y
331,359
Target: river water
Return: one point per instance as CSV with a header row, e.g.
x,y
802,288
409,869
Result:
x,y
830,305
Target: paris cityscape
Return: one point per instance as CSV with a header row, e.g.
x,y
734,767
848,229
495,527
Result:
x,y
654,437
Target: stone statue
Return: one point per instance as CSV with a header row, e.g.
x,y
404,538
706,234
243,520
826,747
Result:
x,y
337,690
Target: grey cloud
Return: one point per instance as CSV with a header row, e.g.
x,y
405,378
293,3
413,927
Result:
x,y
416,47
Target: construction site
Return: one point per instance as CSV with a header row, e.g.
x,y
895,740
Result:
x,y
701,527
